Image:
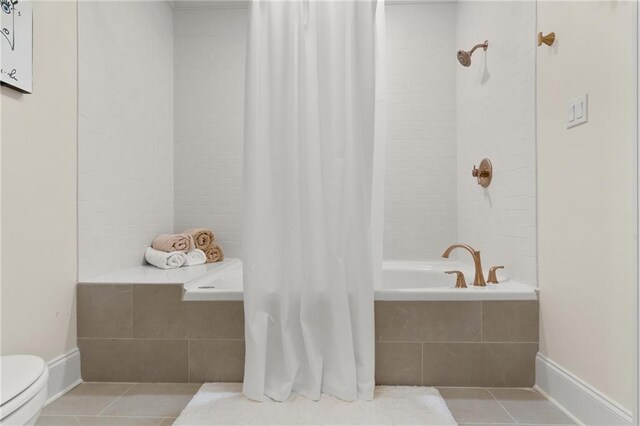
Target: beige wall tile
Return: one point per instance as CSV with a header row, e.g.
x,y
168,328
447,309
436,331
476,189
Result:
x,y
428,321
510,321
216,361
452,364
104,310
479,364
134,360
398,363
509,364
159,312
216,320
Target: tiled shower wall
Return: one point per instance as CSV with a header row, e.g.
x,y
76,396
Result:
x,y
125,132
420,204
420,190
496,119
209,101
442,119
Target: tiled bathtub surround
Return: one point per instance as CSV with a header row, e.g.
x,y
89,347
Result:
x,y
146,333
456,343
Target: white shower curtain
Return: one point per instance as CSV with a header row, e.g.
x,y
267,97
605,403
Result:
x,y
309,149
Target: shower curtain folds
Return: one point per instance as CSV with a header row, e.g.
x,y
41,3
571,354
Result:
x,y
310,112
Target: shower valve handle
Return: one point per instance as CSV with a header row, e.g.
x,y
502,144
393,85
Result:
x,y
483,173
478,173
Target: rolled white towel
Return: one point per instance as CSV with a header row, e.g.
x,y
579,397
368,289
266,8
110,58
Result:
x,y
165,260
195,257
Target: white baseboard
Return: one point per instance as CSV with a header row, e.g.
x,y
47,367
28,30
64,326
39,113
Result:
x,y
64,374
577,398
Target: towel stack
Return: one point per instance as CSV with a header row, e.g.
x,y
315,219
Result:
x,y
205,240
192,247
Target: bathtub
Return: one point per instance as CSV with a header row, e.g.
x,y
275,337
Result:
x,y
401,280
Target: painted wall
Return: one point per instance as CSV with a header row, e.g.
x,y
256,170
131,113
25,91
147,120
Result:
x,y
586,190
420,184
125,131
39,193
209,59
496,120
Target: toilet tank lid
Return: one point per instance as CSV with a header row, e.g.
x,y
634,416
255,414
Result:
x,y
17,373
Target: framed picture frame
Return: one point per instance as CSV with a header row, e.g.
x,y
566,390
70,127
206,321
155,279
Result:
x,y
16,44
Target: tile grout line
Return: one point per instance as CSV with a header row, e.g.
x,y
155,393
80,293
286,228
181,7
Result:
x,y
128,417
114,401
459,342
422,363
497,424
131,311
223,339
478,387
456,342
56,415
481,323
500,404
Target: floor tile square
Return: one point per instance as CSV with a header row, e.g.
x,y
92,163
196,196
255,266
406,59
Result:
x,y
118,421
86,399
474,405
528,406
57,421
153,400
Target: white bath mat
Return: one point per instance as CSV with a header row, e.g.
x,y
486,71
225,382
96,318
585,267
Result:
x,y
224,404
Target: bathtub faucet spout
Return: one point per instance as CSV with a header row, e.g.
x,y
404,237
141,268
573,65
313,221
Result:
x,y
478,280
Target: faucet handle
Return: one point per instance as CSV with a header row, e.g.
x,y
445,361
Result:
x,y
460,282
493,278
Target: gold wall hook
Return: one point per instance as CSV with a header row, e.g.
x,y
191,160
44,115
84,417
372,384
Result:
x,y
548,39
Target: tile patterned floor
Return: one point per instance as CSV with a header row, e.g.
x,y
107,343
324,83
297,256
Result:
x,y
146,404
504,406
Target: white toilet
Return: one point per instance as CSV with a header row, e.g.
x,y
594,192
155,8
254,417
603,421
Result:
x,y
24,389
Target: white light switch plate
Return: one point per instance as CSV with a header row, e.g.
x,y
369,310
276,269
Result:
x,y
577,111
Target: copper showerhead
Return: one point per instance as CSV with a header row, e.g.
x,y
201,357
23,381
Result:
x,y
464,57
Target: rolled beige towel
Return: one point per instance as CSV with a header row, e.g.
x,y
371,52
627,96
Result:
x,y
173,242
202,237
214,253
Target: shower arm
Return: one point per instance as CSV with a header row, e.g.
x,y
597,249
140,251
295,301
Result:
x,y
483,45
